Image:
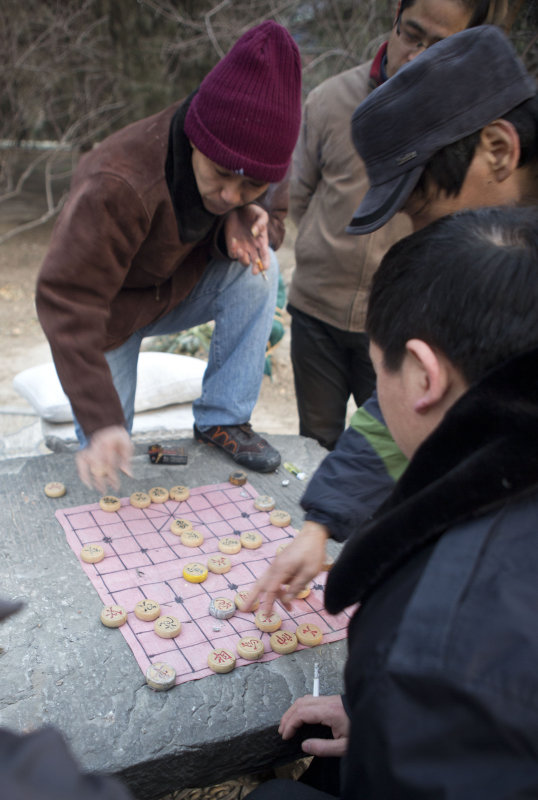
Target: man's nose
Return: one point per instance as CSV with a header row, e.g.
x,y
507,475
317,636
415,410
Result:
x,y
414,53
230,193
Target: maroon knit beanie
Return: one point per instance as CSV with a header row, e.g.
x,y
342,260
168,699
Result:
x,y
246,114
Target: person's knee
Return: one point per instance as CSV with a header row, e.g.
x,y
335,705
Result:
x,y
260,288
272,272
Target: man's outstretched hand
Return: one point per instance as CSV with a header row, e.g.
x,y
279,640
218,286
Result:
x,y
109,452
291,570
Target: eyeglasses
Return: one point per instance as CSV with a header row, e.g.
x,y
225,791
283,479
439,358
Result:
x,y
411,40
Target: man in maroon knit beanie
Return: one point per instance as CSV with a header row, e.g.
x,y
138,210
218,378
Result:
x,y
161,221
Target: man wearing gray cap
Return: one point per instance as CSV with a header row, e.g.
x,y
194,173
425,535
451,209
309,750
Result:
x,y
466,136
330,282
461,147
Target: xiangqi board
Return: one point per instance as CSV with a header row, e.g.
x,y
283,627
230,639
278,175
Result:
x,y
145,560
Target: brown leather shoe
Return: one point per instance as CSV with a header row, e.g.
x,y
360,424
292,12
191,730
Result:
x,y
244,445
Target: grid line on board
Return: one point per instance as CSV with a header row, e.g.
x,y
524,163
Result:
x,y
144,559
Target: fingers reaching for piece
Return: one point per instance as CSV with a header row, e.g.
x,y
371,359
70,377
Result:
x,y
109,453
292,569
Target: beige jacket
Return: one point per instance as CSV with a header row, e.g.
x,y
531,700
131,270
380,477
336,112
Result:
x,y
334,269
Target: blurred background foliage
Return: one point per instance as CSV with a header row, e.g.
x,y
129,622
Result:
x,y
73,71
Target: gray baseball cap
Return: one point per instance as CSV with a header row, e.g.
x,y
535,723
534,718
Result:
x,y
457,87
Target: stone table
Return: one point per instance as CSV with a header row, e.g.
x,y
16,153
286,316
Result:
x,y
57,668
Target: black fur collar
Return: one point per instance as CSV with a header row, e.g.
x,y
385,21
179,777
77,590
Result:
x,y
484,453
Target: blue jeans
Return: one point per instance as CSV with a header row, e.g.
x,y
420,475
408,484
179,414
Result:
x,y
243,306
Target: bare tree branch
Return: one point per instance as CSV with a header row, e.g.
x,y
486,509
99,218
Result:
x,y
209,27
74,71
34,223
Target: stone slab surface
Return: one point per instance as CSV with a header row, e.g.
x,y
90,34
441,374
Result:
x,y
59,668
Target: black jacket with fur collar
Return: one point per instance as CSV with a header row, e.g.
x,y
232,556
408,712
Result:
x,y
484,454
442,678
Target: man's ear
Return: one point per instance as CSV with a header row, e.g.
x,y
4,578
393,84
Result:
x,y
500,141
431,378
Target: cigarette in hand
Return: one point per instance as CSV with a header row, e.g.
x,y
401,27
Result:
x,y
259,263
260,266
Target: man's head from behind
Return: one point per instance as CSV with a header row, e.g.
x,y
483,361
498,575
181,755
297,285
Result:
x,y
447,305
456,89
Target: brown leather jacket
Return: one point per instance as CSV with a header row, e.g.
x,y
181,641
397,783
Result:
x,y
116,262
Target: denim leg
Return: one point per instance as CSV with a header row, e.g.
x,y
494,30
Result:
x,y
243,306
123,363
244,310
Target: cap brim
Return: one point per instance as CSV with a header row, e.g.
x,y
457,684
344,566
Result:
x,y
381,203
8,607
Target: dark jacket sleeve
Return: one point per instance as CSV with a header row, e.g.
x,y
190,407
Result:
x,y
441,673
357,476
432,737
39,766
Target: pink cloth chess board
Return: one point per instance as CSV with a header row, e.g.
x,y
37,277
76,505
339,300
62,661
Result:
x,y
144,559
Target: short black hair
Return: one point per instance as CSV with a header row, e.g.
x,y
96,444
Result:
x,y
483,11
466,284
448,167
